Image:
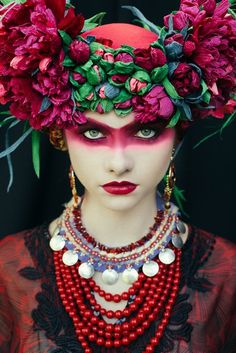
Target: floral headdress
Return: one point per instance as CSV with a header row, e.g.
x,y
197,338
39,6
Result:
x,y
53,67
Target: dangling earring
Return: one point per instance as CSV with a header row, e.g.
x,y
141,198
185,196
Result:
x,y
73,186
170,183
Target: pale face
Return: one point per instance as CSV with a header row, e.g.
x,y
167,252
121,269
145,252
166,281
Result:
x,y
112,149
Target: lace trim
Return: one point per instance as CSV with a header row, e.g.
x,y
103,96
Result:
x,y
51,317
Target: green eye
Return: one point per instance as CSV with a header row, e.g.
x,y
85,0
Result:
x,y
146,133
93,134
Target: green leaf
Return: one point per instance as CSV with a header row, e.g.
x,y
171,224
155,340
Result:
x,y
228,121
96,19
65,37
45,104
68,62
123,112
204,87
206,138
7,120
7,112
174,120
170,89
36,151
107,105
180,198
206,97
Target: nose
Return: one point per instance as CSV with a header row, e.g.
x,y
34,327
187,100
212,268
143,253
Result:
x,y
119,162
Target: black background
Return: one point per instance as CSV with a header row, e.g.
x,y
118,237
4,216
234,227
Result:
x,y
207,174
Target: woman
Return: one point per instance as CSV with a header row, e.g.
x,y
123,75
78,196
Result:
x,y
118,271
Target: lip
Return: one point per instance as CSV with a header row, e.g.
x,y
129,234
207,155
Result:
x,y
119,188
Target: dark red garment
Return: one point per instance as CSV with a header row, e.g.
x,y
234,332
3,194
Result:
x,y
33,320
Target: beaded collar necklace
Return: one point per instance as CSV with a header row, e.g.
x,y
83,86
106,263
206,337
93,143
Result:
x,y
77,245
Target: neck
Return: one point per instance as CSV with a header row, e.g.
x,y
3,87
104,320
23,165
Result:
x,y
118,228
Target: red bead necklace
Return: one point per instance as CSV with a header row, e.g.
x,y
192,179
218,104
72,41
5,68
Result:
x,y
153,301
78,223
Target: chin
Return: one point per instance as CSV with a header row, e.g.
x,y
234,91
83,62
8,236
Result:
x,y
120,202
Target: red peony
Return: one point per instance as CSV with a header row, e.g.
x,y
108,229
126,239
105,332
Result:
x,y
186,80
54,82
153,105
149,58
26,102
180,20
79,51
214,39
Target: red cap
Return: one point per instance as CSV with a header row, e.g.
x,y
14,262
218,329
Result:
x,y
118,34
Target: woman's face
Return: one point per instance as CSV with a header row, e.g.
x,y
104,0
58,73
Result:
x,y
110,149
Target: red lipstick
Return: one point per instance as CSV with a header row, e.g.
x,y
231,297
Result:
x,y
119,188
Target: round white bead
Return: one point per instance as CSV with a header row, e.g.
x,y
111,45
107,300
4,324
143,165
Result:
x,y
130,275
167,256
57,243
150,268
110,276
86,270
70,258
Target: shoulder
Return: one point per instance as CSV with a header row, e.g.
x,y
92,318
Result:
x,y
15,250
217,258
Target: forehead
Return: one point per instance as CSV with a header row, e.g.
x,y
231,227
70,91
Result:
x,y
110,119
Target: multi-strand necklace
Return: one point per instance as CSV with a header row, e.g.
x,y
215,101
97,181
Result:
x,y
151,266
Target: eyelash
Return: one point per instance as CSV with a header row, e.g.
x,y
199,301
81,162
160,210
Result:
x,y
155,130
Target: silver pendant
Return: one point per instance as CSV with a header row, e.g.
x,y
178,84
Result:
x,y
130,275
181,227
110,276
57,243
177,241
167,256
86,270
70,258
150,268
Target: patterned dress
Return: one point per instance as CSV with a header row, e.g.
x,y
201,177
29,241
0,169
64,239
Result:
x,y
33,319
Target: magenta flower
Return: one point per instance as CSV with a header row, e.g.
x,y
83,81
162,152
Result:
x,y
26,102
180,20
153,105
214,39
149,58
54,82
79,51
186,80
124,57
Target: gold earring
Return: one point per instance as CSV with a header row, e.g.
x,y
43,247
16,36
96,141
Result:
x,y
170,183
73,186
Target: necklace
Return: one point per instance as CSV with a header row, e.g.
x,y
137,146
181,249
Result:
x,y
154,300
94,256
153,289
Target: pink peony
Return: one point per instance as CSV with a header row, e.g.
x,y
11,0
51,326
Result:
x,y
153,105
64,116
186,80
79,51
180,20
54,82
124,57
26,102
149,58
214,39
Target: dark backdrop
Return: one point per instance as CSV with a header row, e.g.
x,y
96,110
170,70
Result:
x,y
207,174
